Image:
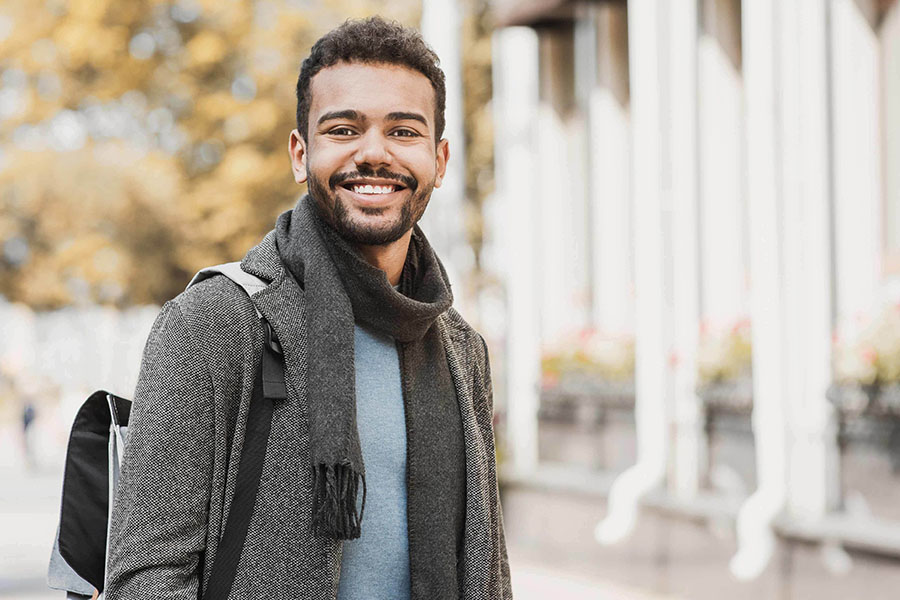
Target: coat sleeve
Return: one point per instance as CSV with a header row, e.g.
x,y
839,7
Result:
x,y
503,577
159,522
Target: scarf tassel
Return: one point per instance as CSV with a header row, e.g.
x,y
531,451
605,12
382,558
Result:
x,y
335,489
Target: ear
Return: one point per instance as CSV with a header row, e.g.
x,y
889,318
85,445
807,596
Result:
x,y
441,157
297,150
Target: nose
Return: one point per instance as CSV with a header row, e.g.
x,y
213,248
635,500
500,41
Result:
x,y
372,150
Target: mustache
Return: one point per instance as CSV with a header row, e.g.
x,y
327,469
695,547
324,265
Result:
x,y
382,173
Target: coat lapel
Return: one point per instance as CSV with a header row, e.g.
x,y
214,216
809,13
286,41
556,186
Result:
x,y
476,570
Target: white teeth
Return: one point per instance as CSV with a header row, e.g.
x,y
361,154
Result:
x,y
373,189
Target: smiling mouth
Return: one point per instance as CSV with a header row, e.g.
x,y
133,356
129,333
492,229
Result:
x,y
371,189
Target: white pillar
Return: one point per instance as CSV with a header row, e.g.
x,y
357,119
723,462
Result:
x,y
857,160
444,220
807,254
560,180
756,542
652,377
690,441
582,159
721,182
613,273
789,182
515,109
890,94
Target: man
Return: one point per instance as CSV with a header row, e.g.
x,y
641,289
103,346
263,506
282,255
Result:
x,y
379,477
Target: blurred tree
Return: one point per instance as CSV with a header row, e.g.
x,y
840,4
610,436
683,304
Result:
x,y
477,122
477,74
143,140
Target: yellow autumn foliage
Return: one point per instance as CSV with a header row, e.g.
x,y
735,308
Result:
x,y
89,10
141,141
216,106
205,49
98,220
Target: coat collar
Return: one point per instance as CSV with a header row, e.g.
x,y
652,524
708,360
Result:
x,y
263,261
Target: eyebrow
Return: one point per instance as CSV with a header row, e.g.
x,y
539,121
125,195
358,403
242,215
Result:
x,y
349,114
352,115
407,116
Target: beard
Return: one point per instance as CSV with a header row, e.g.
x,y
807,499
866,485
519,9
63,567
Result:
x,y
336,212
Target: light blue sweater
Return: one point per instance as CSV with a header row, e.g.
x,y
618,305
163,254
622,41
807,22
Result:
x,y
376,566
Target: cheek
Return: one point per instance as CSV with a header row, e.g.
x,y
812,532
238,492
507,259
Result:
x,y
329,159
418,162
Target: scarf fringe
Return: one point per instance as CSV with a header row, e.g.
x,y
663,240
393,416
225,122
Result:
x,y
335,490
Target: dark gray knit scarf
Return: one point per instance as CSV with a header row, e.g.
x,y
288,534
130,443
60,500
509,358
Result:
x,y
341,288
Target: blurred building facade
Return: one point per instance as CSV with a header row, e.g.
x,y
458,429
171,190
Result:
x,y
698,210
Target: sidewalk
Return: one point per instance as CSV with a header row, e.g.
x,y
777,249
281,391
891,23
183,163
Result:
x,y
532,582
29,503
668,557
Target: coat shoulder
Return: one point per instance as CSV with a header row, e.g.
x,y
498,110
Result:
x,y
457,323
216,307
216,300
466,336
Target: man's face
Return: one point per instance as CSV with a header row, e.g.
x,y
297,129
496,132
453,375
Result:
x,y
371,161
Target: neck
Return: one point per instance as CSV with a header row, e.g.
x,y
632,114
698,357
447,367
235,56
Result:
x,y
390,258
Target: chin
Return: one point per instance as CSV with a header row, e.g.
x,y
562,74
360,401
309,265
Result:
x,y
369,225
373,230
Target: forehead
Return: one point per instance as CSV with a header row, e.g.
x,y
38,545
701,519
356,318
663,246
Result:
x,y
371,89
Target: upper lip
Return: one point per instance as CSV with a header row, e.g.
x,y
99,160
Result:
x,y
367,181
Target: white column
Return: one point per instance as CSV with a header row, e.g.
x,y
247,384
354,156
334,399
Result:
x,y
613,279
807,254
721,185
690,441
646,30
582,158
790,185
857,160
515,109
554,209
443,221
756,541
560,181
890,99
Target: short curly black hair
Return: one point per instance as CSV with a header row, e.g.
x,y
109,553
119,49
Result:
x,y
371,40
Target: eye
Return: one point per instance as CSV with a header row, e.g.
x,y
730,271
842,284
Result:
x,y
341,130
405,133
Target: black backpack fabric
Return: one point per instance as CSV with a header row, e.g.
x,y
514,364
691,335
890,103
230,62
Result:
x,y
85,494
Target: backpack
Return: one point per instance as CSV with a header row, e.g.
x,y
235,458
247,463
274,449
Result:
x,y
93,459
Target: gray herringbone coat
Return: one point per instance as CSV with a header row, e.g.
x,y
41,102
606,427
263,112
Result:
x,y
178,476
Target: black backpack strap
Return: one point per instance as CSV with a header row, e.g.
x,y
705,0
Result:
x,y
268,388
